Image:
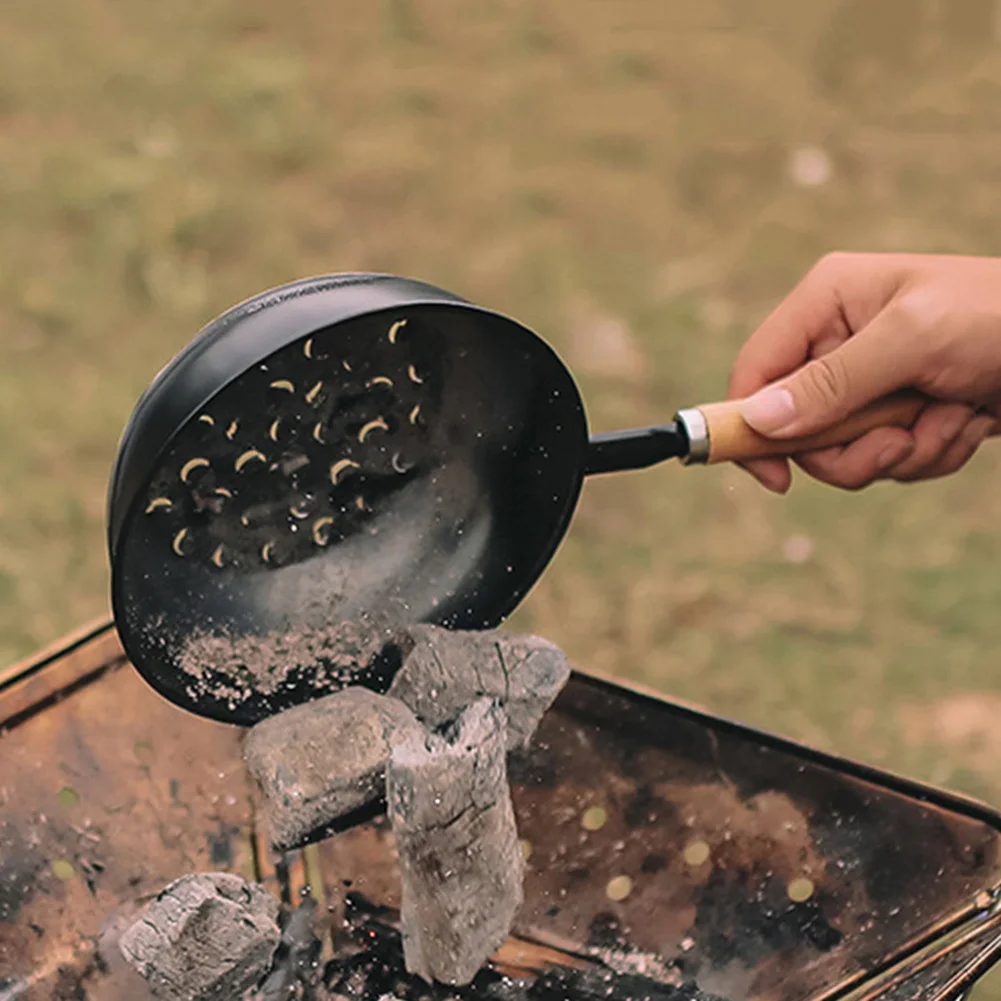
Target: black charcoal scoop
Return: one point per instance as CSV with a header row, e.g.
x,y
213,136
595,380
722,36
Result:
x,y
344,455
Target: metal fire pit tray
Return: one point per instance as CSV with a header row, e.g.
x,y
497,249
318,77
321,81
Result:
x,y
671,854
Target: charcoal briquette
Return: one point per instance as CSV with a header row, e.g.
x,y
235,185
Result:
x,y
321,761
460,858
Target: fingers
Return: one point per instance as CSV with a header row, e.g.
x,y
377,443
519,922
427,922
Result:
x,y
839,296
835,344
772,474
934,433
870,365
796,331
809,316
857,328
943,440
854,466
958,453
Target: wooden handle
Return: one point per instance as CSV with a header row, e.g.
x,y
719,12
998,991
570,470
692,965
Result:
x,y
731,439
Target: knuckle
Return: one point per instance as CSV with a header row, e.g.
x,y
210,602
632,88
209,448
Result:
x,y
922,456
923,306
747,373
835,473
826,381
967,452
920,315
858,474
951,464
849,481
857,480
833,263
909,471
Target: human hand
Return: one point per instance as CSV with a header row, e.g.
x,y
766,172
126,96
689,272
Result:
x,y
859,327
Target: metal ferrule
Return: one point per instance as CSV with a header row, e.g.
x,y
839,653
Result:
x,y
697,431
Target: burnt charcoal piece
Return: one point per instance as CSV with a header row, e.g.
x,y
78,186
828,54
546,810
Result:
x,y
376,970
321,761
606,985
295,975
460,859
20,862
205,937
444,671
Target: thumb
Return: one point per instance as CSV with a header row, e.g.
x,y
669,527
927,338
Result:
x,y
872,364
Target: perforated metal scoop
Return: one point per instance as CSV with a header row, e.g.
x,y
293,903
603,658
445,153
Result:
x,y
358,450
298,453
344,455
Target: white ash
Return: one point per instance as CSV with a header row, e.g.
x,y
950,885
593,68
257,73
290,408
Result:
x,y
460,857
444,671
641,964
232,668
206,937
319,762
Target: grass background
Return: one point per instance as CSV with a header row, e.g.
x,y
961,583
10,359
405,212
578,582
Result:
x,y
628,177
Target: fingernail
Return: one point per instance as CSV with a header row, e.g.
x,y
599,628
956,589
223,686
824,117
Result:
x,y
769,410
978,429
953,426
893,454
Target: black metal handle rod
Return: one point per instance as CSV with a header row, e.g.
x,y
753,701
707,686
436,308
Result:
x,y
637,448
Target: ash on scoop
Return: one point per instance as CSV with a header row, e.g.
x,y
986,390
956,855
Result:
x,y
319,762
460,859
232,668
205,937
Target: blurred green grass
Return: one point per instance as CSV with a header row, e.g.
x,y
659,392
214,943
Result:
x,y
640,182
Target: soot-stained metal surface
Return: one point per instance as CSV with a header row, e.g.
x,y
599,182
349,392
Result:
x,y
748,865
657,835
106,795
669,854
370,968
